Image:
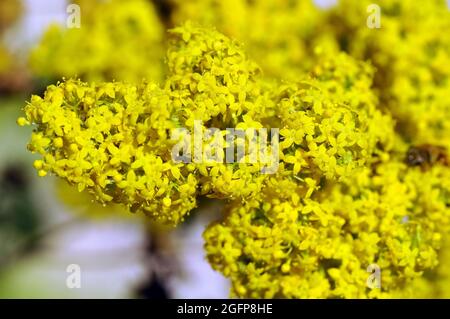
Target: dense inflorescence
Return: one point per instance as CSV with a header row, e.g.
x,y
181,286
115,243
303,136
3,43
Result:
x,y
114,138
409,52
319,246
350,103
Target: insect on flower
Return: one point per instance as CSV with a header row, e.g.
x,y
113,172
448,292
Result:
x,y
427,155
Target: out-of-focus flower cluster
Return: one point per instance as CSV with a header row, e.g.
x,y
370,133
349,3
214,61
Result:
x,y
10,12
116,40
348,100
279,35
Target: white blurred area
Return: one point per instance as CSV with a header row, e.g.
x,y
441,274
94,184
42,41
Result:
x,y
196,278
111,255
111,263
38,15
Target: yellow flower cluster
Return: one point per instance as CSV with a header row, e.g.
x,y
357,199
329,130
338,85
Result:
x,y
409,51
114,138
342,197
289,244
324,131
117,40
408,216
